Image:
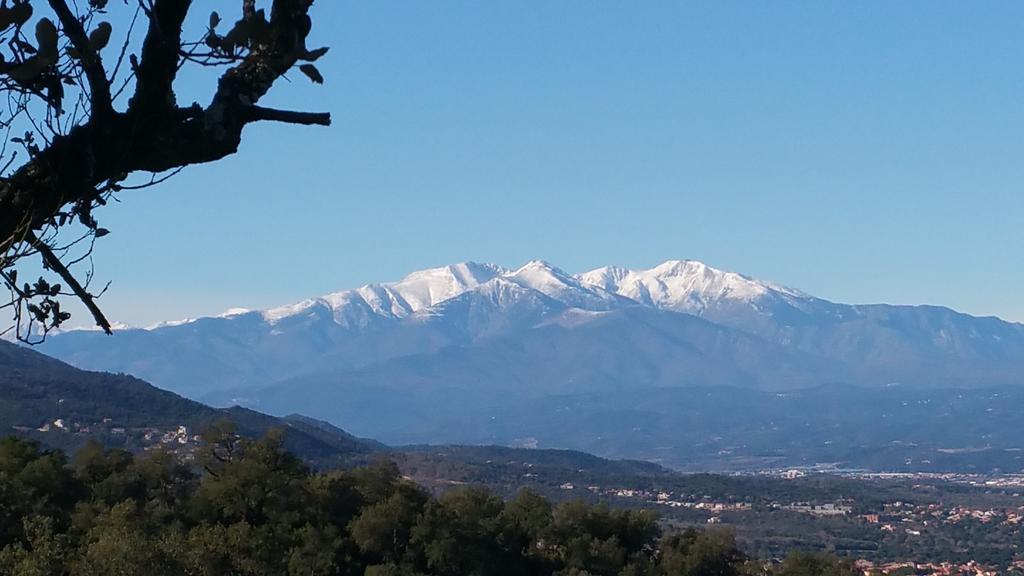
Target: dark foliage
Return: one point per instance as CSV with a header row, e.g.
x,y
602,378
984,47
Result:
x,y
250,508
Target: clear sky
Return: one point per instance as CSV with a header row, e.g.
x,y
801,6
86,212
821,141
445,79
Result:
x,y
859,151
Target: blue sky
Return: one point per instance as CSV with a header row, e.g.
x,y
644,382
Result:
x,y
862,152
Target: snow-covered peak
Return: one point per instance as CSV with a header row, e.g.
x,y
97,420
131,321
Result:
x,y
415,292
680,285
684,285
171,323
114,327
554,283
274,315
607,277
426,288
693,277
683,267
543,277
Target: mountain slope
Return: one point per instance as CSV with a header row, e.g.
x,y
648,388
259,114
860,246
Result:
x,y
877,343
617,352
62,406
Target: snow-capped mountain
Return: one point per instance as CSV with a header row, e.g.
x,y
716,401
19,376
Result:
x,y
415,292
536,329
570,291
426,289
686,286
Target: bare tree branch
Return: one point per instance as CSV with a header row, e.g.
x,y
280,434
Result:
x,y
54,263
290,117
72,163
158,66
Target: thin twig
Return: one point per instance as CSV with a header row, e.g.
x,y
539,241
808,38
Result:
x,y
57,266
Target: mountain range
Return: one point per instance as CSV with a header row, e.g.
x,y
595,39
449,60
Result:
x,y
415,360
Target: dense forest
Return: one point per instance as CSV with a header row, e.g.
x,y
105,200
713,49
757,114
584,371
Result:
x,y
249,507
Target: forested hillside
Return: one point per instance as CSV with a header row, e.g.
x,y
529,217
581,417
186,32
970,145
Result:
x,y
63,406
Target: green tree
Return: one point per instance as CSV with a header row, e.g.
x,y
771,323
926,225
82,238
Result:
x,y
597,539
122,543
805,564
462,534
43,552
383,530
693,553
249,508
33,482
257,482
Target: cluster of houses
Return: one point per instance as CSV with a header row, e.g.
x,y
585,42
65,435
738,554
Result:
x,y
897,513
971,568
148,438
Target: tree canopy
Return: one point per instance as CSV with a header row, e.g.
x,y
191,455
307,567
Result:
x,y
91,107
246,507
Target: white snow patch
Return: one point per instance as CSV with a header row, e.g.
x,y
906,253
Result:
x,y
684,285
679,285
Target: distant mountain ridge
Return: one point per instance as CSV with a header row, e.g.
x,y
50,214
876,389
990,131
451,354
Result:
x,y
467,303
475,337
